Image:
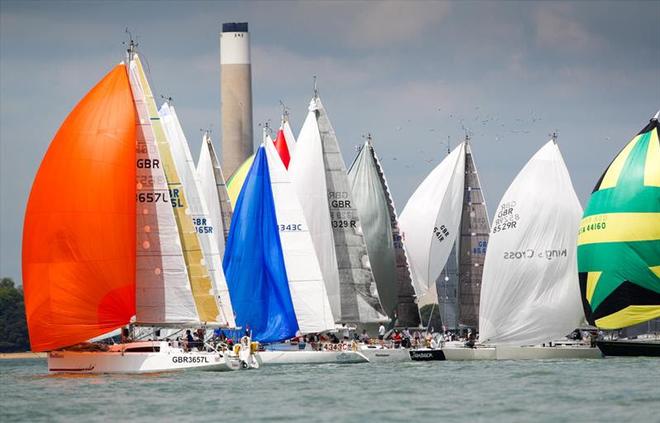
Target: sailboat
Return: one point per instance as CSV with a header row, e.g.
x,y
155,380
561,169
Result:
x,y
318,173
112,254
529,295
619,248
387,256
275,279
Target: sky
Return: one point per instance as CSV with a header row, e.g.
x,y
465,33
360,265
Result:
x,y
416,75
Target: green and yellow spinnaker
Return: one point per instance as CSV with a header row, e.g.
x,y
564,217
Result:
x,y
619,238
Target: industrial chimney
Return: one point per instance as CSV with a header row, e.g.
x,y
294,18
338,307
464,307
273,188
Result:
x,y
236,93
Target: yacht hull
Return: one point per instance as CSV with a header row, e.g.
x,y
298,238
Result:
x,y
270,358
376,354
629,348
144,357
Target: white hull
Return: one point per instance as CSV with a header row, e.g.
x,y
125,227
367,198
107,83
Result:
x,y
135,358
269,358
546,353
377,354
521,353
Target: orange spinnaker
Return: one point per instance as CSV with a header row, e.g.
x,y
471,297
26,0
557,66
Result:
x,y
282,148
79,229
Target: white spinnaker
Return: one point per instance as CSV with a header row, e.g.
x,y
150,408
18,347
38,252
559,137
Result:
x,y
209,189
199,214
307,173
289,137
431,218
308,292
530,292
163,293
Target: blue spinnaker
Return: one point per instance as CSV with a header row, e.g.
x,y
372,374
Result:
x,y
254,263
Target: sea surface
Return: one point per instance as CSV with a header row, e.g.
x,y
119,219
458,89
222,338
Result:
x,y
607,390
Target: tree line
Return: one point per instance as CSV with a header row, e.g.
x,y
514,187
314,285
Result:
x,y
13,326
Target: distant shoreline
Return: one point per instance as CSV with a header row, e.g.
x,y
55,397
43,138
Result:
x,y
28,354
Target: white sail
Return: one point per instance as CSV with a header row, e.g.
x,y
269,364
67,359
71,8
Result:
x,y
197,208
530,292
163,293
430,220
289,137
308,292
307,174
214,191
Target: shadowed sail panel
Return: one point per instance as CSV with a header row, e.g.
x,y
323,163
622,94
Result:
x,y
619,238
79,230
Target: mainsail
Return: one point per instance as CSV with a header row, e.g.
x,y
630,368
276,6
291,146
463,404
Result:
x,y
197,210
459,284
381,233
163,293
430,220
200,280
254,261
472,244
214,190
308,293
529,293
619,237
86,177
358,294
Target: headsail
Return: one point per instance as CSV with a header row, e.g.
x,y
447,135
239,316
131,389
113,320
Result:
x,y
358,293
308,177
430,220
308,293
87,176
197,210
381,233
214,190
529,293
254,262
163,293
200,281
619,238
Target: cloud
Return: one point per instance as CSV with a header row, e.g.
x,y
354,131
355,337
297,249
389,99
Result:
x,y
558,28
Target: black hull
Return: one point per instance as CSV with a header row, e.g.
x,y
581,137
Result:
x,y
629,349
427,355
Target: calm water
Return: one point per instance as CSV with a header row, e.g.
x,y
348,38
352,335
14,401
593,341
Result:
x,y
613,389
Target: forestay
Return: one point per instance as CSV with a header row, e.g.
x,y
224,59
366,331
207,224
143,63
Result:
x,y
530,292
197,208
163,293
308,292
430,220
